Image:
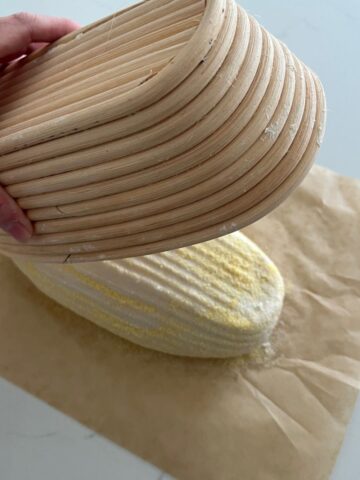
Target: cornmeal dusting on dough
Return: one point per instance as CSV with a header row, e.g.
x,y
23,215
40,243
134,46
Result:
x,y
236,270
86,307
102,288
89,308
217,299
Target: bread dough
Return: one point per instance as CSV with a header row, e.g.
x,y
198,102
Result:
x,y
221,298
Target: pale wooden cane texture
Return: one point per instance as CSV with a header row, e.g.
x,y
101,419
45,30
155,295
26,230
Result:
x,y
164,125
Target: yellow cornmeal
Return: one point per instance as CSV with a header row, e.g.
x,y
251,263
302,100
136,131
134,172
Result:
x,y
88,308
120,299
217,299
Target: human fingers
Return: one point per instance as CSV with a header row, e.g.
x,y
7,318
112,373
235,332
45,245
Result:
x,y
19,31
12,218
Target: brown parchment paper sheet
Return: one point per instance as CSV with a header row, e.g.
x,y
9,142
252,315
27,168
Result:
x,y
201,419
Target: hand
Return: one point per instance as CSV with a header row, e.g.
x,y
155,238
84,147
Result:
x,y
21,34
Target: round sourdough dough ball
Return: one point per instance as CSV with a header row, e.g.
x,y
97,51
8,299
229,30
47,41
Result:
x,y
221,298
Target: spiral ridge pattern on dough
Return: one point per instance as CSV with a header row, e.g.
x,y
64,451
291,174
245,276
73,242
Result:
x,y
221,298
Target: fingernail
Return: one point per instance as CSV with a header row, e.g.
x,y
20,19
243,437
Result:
x,y
18,231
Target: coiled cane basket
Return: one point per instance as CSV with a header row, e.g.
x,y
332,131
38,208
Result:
x,y
167,124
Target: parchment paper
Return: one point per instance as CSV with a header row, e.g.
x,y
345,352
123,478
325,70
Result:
x,y
200,419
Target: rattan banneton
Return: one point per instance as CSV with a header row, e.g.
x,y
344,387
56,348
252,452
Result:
x,y
167,124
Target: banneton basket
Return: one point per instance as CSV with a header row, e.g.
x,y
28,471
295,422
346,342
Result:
x,y
167,124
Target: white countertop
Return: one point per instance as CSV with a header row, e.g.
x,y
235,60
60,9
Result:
x,y
36,441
